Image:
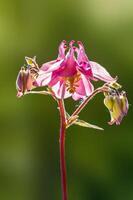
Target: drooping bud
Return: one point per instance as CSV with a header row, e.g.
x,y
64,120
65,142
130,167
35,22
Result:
x,y
24,81
116,114
26,78
108,101
124,102
117,105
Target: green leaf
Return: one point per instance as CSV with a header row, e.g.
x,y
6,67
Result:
x,y
86,124
74,120
71,119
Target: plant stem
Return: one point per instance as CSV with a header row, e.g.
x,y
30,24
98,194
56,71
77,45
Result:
x,y
62,149
38,92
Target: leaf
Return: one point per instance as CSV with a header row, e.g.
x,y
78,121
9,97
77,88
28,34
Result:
x,y
86,124
71,119
74,120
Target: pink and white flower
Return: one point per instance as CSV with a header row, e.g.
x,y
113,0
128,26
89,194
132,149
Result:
x,y
71,73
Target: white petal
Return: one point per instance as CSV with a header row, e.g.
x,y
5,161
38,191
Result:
x,y
100,72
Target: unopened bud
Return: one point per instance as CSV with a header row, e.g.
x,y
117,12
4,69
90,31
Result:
x,y
117,105
116,113
24,81
108,102
124,102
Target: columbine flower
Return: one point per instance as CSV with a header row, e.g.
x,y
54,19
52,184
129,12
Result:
x,y
70,74
26,76
117,105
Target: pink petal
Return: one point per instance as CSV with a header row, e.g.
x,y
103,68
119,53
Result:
x,y
51,66
60,91
85,68
87,85
81,55
77,96
85,88
62,49
68,66
54,79
100,72
43,78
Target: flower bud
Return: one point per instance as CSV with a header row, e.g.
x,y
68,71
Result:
x,y
117,105
124,102
116,114
24,81
108,102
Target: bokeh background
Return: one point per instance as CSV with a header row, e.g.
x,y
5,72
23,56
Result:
x,y
99,164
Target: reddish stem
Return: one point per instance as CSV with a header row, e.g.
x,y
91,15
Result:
x,y
62,149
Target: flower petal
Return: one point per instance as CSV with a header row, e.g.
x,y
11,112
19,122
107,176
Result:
x,y
85,88
60,90
43,78
100,72
87,85
68,66
81,55
85,68
77,96
62,49
51,66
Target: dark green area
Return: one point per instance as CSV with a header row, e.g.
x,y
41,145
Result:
x,y
99,164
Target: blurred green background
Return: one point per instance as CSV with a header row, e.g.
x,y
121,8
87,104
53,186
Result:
x,y
99,164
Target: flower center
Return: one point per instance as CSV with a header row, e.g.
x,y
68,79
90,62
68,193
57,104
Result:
x,y
72,82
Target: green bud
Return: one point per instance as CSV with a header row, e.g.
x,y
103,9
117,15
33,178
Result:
x,y
124,102
117,110
108,102
117,105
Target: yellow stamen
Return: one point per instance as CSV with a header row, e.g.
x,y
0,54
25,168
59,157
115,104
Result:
x,y
71,82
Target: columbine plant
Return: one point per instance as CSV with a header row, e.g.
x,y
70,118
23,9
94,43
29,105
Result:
x,y
71,75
